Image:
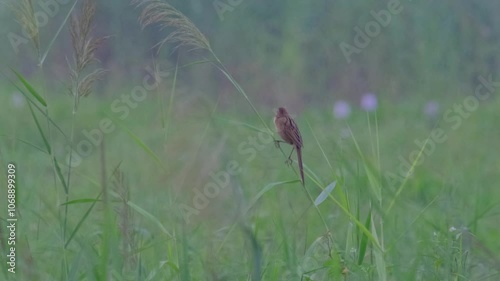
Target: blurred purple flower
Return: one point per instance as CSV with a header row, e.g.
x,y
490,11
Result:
x,y
341,109
431,109
369,102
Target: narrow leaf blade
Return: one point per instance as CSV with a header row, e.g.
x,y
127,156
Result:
x,y
149,216
30,88
324,194
82,220
79,201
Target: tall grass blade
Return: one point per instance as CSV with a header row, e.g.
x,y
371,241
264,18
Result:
x,y
184,263
240,90
364,239
80,201
37,107
324,194
238,123
75,266
379,258
171,101
30,88
256,253
339,191
60,175
47,145
411,171
360,225
49,47
372,178
319,145
412,222
82,220
27,143
149,216
141,144
251,204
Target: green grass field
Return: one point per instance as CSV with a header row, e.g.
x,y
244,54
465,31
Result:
x,y
155,178
131,214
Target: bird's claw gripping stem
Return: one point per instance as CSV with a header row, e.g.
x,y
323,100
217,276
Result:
x,y
277,143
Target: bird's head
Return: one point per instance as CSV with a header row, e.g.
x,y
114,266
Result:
x,y
282,111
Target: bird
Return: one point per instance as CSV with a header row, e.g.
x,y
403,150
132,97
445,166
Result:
x,y
289,132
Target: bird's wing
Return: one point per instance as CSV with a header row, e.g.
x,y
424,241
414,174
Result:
x,y
292,131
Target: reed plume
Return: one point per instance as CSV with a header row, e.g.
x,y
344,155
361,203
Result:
x,y
25,14
84,47
185,33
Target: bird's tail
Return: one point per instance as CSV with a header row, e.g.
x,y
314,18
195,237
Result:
x,y
301,168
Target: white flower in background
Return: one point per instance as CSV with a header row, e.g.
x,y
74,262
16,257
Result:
x,y
18,100
341,109
431,109
369,102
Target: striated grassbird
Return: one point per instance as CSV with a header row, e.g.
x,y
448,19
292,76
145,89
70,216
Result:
x,y
289,132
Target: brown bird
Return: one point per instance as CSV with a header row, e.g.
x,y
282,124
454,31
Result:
x,y
289,132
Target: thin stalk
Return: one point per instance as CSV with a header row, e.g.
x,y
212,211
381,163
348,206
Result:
x,y
171,101
71,139
52,158
317,209
223,69
309,195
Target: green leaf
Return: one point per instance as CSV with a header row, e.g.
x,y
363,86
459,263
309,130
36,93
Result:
x,y
364,239
141,144
37,107
324,194
412,170
149,216
60,175
238,123
47,145
78,201
42,59
45,141
252,203
372,178
265,190
30,88
82,220
379,258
